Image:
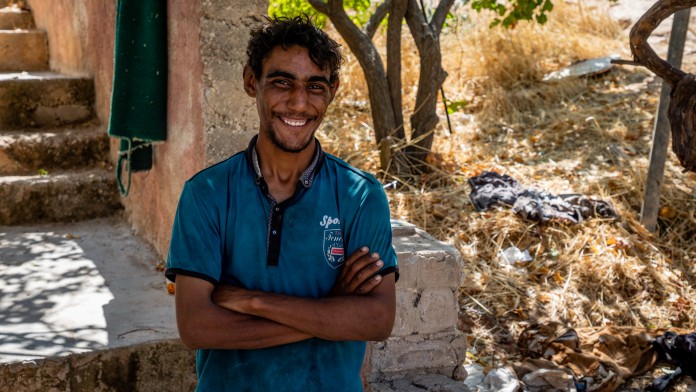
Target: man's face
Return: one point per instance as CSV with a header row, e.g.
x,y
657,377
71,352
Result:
x,y
292,96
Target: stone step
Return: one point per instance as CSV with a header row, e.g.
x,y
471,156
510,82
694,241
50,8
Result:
x,y
58,197
44,99
12,18
50,150
23,50
14,3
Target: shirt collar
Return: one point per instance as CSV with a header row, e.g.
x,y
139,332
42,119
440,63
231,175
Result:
x,y
306,178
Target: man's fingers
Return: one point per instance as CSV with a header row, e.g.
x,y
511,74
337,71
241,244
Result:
x,y
364,275
360,264
351,260
356,255
370,284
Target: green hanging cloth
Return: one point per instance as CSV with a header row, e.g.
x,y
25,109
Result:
x,y
139,97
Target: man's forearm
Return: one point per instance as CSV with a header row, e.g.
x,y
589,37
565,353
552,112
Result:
x,y
351,317
202,324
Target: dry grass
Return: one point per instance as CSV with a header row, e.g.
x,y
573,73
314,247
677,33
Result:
x,y
589,136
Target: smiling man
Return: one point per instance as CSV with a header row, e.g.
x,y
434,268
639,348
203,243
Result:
x,y
264,290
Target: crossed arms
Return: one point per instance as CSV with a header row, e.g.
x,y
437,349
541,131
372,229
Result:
x,y
360,307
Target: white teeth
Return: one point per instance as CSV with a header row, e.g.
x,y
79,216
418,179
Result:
x,y
294,123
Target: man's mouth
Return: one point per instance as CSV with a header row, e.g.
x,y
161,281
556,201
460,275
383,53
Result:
x,y
294,122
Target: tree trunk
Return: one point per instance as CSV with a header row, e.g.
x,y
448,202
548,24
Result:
x,y
370,62
384,88
682,106
425,119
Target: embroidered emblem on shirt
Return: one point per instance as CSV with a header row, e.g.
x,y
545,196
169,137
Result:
x,y
333,247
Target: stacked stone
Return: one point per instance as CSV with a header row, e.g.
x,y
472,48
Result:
x,y
425,339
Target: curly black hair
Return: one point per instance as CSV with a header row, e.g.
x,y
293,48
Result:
x,y
286,32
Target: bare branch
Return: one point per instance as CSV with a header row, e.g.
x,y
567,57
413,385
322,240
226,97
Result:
x,y
370,61
320,6
641,31
440,15
626,62
416,22
376,18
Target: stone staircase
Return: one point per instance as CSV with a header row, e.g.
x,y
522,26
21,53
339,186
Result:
x,y
54,154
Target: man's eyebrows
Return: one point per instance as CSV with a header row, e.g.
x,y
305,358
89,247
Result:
x,y
288,75
280,74
319,79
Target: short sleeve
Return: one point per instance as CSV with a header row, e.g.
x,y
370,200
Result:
x,y
195,248
372,228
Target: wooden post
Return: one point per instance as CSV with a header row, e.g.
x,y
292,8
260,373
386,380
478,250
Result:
x,y
661,130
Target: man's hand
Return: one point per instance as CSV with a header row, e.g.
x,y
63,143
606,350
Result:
x,y
357,274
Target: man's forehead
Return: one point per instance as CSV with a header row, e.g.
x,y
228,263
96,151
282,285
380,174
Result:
x,y
278,61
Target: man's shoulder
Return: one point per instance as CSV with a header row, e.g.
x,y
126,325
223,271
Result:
x,y
347,172
220,171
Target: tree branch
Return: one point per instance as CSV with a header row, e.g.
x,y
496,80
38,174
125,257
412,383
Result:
x,y
370,61
320,6
397,11
440,16
416,23
376,18
641,31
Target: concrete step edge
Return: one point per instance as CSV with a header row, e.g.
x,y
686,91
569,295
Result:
x,y
85,127
31,152
34,76
18,32
58,197
44,99
15,18
25,50
58,176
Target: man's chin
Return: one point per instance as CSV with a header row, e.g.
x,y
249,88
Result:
x,y
295,148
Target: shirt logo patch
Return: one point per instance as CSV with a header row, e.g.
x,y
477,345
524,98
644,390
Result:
x,y
333,247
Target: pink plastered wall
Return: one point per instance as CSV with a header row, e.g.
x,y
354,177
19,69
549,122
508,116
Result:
x,y
81,42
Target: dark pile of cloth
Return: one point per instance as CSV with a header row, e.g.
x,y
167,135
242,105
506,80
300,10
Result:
x,y
492,189
600,359
680,350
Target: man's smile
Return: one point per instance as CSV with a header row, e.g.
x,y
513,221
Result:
x,y
294,122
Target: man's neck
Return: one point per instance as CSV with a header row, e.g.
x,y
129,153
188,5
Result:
x,y
282,170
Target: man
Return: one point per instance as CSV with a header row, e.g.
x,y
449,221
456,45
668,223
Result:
x,y
264,291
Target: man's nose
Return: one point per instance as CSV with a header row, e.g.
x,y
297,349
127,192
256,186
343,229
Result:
x,y
298,99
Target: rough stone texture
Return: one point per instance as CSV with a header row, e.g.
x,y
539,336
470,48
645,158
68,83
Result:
x,y
155,366
14,18
424,338
54,197
209,115
421,383
50,150
23,50
44,100
230,115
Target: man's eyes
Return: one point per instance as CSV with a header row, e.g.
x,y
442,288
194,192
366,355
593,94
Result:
x,y
283,83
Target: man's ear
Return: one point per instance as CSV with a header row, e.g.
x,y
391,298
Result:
x,y
249,81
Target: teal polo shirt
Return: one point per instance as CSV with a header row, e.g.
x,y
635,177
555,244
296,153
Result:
x,y
229,229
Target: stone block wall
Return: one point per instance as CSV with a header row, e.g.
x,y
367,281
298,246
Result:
x,y
154,366
425,338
